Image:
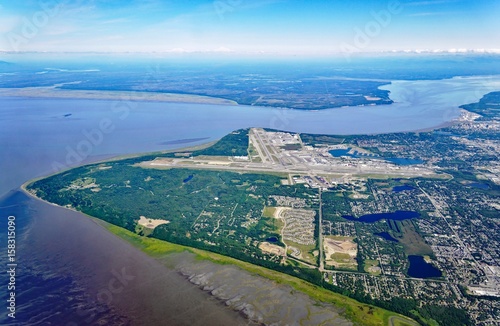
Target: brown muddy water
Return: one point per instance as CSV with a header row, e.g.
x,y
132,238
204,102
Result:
x,y
72,271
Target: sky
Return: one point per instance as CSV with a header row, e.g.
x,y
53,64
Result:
x,y
297,27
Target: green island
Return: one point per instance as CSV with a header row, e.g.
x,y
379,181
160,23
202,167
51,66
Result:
x,y
333,216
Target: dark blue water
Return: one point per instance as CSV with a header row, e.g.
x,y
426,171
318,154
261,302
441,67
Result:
x,y
371,218
419,268
66,263
386,236
355,154
37,285
402,188
64,251
403,161
340,152
272,239
478,185
188,178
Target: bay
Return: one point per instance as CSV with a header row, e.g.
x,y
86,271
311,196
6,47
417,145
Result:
x,y
42,136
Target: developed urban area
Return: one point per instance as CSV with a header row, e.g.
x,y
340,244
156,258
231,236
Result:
x,y
405,221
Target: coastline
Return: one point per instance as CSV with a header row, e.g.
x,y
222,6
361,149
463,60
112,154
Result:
x,y
208,271
440,126
150,288
113,159
218,259
162,251
52,92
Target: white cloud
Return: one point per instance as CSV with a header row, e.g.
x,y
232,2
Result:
x,y
429,3
223,49
115,21
9,23
431,13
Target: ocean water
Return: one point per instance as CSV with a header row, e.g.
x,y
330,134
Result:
x,y
71,271
66,260
40,136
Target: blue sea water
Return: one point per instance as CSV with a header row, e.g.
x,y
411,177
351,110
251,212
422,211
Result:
x,y
66,263
41,136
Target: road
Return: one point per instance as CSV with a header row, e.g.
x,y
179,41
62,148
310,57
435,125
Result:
x,y
320,233
453,231
406,321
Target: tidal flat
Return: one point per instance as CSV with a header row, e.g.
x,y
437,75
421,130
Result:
x,y
87,275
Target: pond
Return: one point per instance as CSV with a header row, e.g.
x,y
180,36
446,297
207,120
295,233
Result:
x,y
355,154
272,239
419,268
402,188
479,185
386,236
371,218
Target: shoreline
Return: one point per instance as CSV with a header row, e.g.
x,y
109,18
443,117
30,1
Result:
x,y
303,287
440,126
203,146
134,96
51,92
141,268
109,159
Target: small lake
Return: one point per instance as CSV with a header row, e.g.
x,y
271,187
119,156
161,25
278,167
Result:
x,y
42,132
386,236
372,218
403,161
419,268
478,185
188,179
272,239
402,188
355,154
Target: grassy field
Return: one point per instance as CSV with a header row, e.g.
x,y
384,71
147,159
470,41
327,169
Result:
x,y
368,266
269,211
412,241
306,252
359,313
343,261
397,321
